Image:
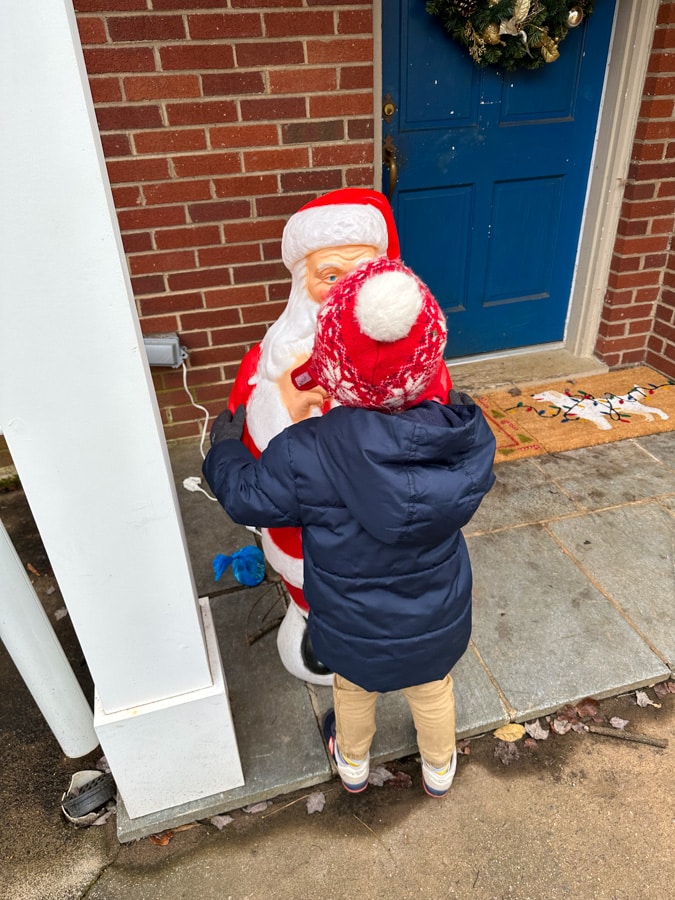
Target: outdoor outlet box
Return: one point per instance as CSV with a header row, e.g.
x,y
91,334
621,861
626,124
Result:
x,y
164,349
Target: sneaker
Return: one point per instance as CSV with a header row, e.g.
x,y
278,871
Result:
x,y
353,772
437,781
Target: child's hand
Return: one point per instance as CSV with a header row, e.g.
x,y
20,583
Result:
x,y
228,427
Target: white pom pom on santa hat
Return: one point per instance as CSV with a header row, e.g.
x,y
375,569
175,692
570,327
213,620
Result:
x,y
388,305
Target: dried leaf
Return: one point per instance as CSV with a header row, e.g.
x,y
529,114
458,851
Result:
x,y
401,781
506,752
644,700
536,730
31,568
510,732
530,743
664,687
60,613
257,807
463,748
316,802
378,776
560,725
221,821
161,839
588,708
616,722
579,727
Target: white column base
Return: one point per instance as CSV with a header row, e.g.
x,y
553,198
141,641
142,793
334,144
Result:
x,y
175,750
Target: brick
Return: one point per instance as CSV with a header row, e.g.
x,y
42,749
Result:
x,y
170,140
82,6
231,297
361,176
194,236
209,319
221,210
340,51
152,27
271,250
152,306
269,160
360,129
662,225
206,112
627,263
630,279
126,196
661,61
219,355
105,90
343,104
229,83
151,217
261,272
636,191
666,189
246,186
654,261
655,130
356,77
187,281
116,145
300,24
127,117
160,87
613,313
639,326
209,164
661,86
255,230
176,191
344,154
136,241
615,330
646,152
91,30
172,261
138,169
633,245
270,53
311,180
193,4
150,284
103,60
271,4
214,27
656,108
302,80
650,171
273,109
666,14
229,255
249,333
650,208
238,135
278,290
265,312
197,57
313,132
355,21
282,205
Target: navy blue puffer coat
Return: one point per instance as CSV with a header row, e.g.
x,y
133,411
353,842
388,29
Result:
x,y
381,500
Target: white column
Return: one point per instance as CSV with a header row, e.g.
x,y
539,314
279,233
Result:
x,y
80,416
24,626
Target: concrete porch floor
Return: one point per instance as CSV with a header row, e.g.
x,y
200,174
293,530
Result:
x,y
574,587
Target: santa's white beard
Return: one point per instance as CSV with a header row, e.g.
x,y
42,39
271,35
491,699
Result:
x,y
290,337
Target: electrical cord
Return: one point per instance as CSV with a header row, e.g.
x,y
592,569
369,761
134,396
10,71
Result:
x,y
193,482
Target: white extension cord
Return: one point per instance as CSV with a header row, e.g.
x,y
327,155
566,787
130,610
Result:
x,y
193,482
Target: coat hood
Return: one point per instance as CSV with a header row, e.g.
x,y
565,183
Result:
x,y
388,486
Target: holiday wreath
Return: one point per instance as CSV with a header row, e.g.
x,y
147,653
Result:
x,y
511,34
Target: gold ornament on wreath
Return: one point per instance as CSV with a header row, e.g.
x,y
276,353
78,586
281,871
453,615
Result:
x,y
511,34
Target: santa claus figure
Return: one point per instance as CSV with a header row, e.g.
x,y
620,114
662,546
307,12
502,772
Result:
x,y
326,239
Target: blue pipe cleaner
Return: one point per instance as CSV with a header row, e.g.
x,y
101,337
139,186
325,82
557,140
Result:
x,y
248,565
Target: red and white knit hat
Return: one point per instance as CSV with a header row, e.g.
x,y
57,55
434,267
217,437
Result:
x,y
379,341
337,219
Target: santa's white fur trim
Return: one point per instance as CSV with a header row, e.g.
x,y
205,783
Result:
x,y
387,306
337,225
289,644
289,567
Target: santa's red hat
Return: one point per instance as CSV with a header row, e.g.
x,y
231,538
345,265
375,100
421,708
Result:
x,y
340,218
380,339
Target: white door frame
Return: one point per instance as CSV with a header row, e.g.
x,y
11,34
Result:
x,y
626,68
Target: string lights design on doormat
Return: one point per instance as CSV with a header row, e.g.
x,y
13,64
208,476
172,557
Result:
x,y
566,415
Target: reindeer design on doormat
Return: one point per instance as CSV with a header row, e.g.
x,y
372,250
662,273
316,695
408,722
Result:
x,y
602,411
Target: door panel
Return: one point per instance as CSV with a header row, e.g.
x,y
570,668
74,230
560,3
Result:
x,y
492,175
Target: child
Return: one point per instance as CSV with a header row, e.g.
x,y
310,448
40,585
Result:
x,y
381,487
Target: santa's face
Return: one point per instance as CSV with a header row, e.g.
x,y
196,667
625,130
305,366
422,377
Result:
x,y
327,266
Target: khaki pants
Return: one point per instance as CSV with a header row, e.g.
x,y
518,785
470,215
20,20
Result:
x,y
433,710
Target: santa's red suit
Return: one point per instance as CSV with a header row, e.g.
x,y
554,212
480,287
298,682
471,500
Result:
x,y
344,218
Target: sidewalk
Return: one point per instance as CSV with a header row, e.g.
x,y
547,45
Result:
x,y
574,590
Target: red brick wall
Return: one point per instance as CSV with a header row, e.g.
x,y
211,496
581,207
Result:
x,y
218,121
638,320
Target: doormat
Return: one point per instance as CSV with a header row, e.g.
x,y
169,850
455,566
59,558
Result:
x,y
583,412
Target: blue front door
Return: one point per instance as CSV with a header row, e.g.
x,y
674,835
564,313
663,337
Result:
x,y
492,170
